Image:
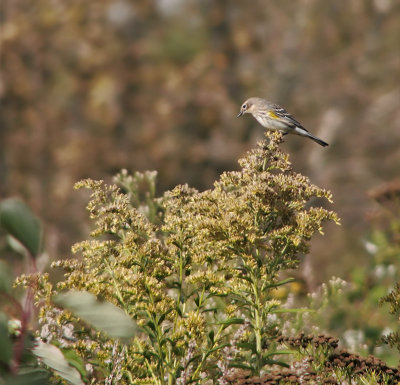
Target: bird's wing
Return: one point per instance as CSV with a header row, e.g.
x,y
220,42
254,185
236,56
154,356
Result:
x,y
281,113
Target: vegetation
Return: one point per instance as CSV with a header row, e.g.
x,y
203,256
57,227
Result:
x,y
181,288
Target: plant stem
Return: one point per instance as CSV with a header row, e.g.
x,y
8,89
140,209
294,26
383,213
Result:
x,y
258,322
27,311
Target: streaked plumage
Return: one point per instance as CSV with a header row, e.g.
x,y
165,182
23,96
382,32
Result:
x,y
273,117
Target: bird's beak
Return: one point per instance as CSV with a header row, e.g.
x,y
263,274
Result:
x,y
240,114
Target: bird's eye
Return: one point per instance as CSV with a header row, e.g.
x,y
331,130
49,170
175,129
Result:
x,y
244,106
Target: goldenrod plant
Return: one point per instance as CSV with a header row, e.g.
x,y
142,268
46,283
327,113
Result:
x,y
194,271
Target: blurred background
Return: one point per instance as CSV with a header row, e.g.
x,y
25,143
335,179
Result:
x,y
89,88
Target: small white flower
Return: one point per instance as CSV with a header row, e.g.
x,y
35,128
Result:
x,y
391,270
354,339
380,271
45,333
371,247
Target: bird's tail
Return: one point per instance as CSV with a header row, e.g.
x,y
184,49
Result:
x,y
300,130
318,140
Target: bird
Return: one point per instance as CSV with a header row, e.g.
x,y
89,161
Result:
x,y
274,117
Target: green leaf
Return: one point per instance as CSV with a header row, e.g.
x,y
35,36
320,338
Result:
x,y
218,295
149,332
161,319
151,326
5,342
247,346
266,360
75,360
163,341
178,310
29,376
240,365
277,352
54,359
211,337
15,245
5,278
103,316
148,355
210,309
280,283
275,362
280,310
219,347
163,316
245,278
231,321
20,222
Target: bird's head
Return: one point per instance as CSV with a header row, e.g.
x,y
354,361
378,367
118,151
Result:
x,y
247,107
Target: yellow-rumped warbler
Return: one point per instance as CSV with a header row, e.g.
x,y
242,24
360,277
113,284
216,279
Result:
x,y
274,117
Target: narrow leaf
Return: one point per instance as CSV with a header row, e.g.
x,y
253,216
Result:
x,y
151,326
274,362
211,309
211,337
240,365
280,283
247,346
231,321
161,319
219,347
277,352
280,310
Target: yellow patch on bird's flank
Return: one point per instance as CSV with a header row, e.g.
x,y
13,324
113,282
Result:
x,y
272,115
